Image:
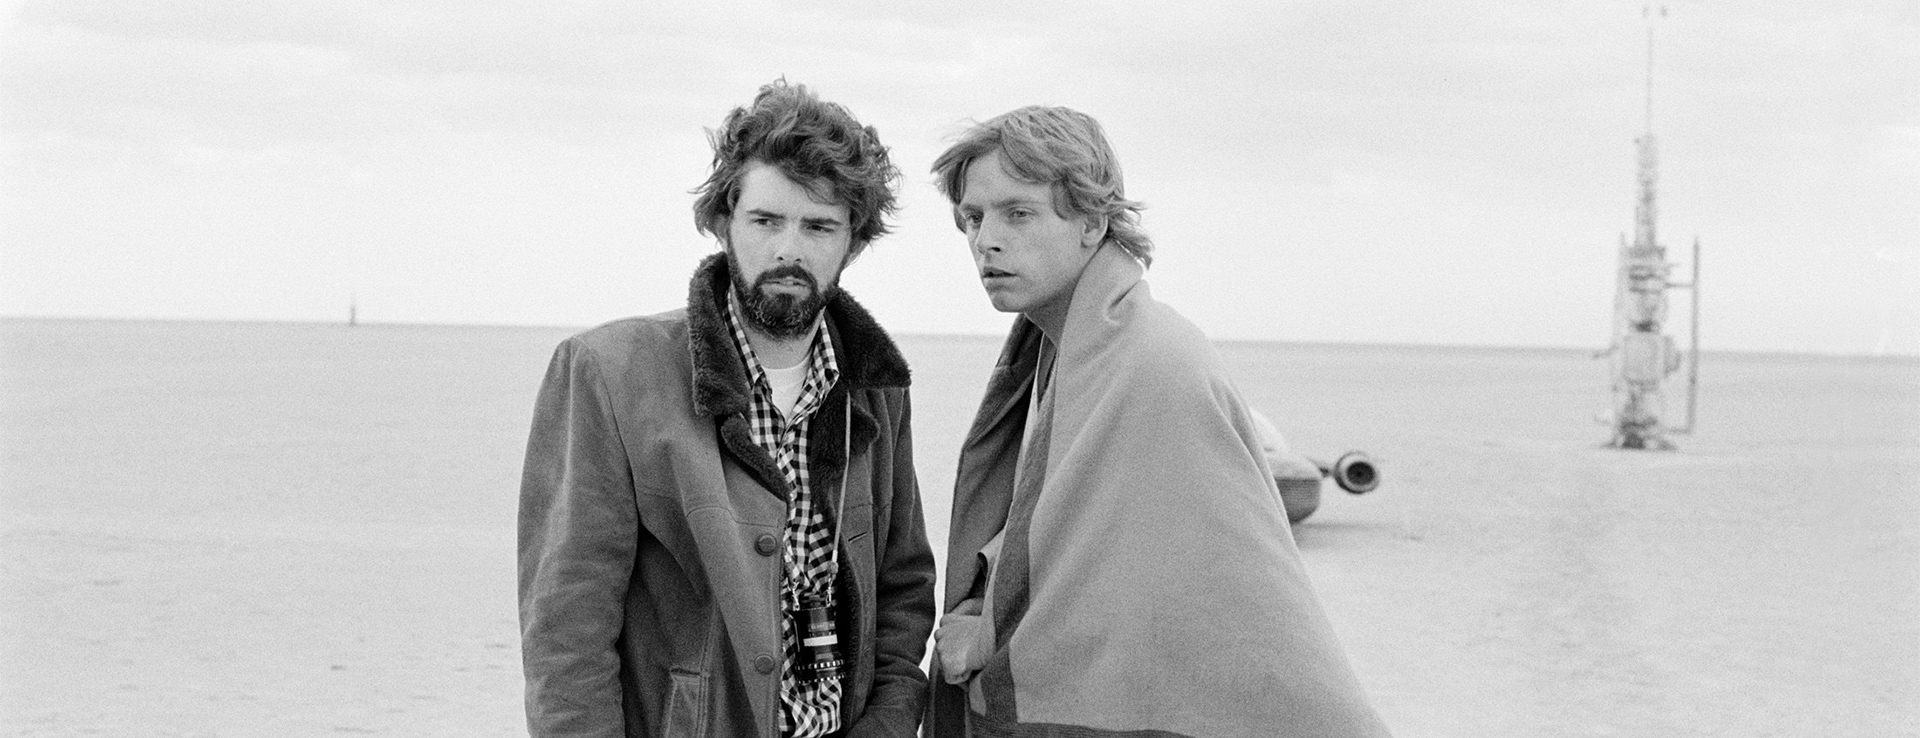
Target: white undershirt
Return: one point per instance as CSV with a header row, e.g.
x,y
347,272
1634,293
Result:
x,y
787,383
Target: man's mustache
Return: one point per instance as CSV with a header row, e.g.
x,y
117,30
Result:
x,y
788,271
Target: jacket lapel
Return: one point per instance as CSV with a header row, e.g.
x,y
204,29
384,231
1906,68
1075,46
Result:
x,y
827,458
868,360
1012,377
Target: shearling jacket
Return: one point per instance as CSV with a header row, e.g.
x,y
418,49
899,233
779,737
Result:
x,y
650,528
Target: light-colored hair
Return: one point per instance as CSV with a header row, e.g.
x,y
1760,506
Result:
x,y
1055,146
812,142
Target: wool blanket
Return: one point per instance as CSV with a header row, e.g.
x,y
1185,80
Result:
x,y
1146,583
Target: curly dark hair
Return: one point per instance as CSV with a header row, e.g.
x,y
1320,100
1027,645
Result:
x,y
815,143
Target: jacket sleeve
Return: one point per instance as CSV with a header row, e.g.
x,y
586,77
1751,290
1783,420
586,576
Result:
x,y
578,533
903,601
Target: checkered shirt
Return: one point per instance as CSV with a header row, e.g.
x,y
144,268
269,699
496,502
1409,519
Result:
x,y
806,709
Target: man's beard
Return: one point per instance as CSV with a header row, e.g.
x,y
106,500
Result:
x,y
778,314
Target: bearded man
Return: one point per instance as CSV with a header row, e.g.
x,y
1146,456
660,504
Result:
x,y
720,528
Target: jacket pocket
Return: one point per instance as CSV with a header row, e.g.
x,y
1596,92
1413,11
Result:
x,y
686,705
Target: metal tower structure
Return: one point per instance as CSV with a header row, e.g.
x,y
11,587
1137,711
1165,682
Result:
x,y
1643,355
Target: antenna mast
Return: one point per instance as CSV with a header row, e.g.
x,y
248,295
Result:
x,y
1643,355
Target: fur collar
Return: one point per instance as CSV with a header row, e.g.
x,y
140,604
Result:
x,y
868,357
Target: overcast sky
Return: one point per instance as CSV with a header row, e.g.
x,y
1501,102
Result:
x,y
1380,172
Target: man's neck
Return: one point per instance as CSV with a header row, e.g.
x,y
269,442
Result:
x,y
1052,318
780,353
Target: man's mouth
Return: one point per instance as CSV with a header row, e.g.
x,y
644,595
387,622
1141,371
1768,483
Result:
x,y
786,278
991,272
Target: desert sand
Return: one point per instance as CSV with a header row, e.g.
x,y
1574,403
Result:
x,y
230,529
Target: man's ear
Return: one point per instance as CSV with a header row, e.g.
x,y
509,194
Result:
x,y
1093,230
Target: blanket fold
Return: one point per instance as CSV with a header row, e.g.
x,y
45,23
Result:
x,y
1147,583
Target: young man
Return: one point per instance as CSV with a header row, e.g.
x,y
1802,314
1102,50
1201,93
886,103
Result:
x,y
720,532
1119,563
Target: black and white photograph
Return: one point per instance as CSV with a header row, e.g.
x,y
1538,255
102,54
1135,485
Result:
x,y
848,368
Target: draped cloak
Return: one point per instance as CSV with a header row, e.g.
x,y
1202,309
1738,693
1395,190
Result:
x,y
1147,583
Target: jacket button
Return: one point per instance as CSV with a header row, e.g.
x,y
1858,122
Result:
x,y
765,544
763,664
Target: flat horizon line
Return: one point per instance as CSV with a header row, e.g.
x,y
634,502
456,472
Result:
x,y
1358,344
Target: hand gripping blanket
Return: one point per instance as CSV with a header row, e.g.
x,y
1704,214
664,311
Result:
x,y
1147,582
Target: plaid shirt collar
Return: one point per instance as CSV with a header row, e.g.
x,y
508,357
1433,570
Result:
x,y
824,372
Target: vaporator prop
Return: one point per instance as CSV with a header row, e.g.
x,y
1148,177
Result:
x,y
1643,355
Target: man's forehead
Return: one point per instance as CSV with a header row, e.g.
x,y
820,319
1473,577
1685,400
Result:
x,y
1009,190
765,186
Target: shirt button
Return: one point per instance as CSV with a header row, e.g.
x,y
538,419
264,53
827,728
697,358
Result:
x,y
765,544
763,663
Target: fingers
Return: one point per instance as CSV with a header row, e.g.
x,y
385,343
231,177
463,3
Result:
x,y
954,673
953,640
955,629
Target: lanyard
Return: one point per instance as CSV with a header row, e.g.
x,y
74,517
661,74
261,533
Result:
x,y
840,506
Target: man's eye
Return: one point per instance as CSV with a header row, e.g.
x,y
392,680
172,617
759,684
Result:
x,y
1019,214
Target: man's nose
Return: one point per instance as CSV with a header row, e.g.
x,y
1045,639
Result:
x,y
986,237
788,245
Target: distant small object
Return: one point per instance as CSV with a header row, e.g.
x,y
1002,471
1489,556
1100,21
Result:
x,y
1300,477
1642,354
353,311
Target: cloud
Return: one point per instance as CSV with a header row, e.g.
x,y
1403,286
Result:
x,y
1479,143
